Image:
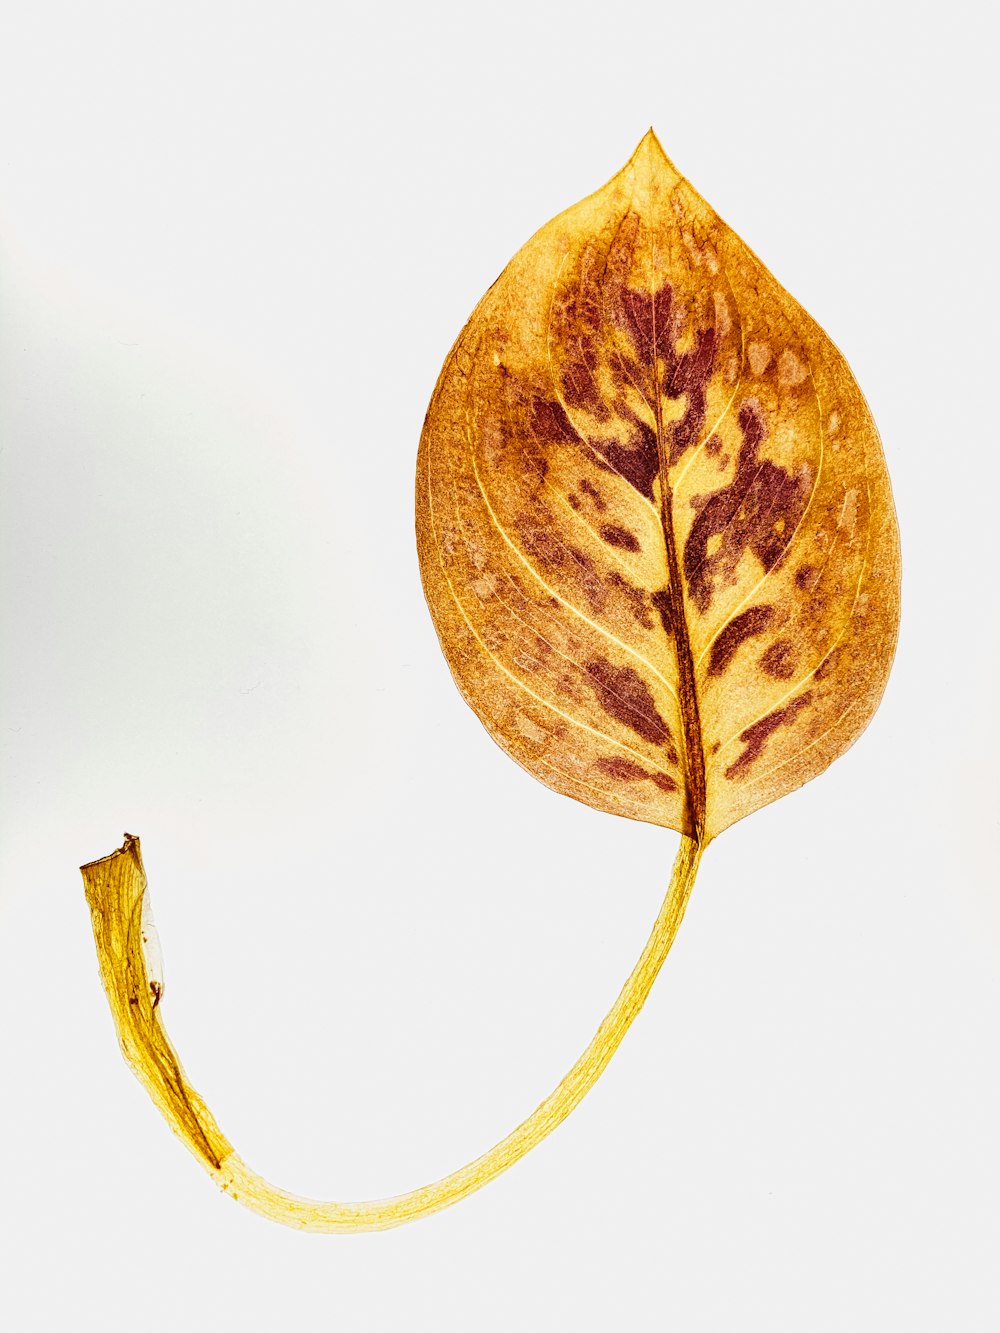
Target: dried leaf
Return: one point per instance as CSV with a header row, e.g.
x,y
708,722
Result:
x,y
655,526
658,543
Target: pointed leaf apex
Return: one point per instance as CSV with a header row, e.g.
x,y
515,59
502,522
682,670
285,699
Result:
x,y
650,155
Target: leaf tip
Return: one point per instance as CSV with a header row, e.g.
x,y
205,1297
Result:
x,y
650,157
650,147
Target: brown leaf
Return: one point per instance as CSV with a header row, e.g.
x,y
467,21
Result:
x,y
654,522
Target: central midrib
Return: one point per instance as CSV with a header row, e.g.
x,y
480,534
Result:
x,y
687,693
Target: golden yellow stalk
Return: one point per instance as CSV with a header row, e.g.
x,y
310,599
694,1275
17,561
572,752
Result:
x,y
117,894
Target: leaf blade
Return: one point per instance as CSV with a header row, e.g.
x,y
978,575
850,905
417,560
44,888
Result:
x,y
647,486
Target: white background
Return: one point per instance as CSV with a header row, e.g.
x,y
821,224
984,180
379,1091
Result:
x,y
236,243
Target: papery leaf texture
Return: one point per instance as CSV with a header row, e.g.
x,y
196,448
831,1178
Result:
x,y
654,520
659,547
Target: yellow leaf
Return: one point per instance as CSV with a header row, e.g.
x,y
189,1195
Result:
x,y
658,543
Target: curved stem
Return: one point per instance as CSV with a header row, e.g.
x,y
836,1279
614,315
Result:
x,y
123,932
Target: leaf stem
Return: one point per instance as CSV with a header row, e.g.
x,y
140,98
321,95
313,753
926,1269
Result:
x,y
116,892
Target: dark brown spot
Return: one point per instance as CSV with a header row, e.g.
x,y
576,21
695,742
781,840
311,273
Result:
x,y
661,603
747,515
638,462
755,737
550,423
805,576
574,501
626,697
646,320
616,536
690,376
751,424
627,771
778,661
623,769
742,627
590,489
712,445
